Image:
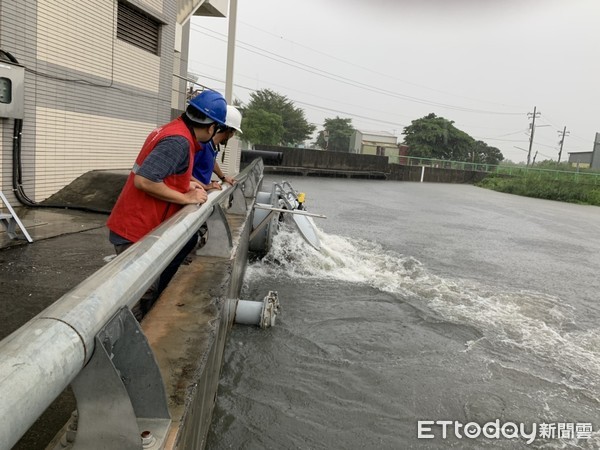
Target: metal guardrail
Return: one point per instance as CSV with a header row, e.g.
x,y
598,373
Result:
x,y
442,163
40,359
579,175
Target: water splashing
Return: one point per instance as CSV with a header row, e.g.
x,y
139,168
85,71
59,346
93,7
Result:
x,y
533,332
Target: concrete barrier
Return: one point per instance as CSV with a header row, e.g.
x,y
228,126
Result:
x,y
434,174
320,159
303,161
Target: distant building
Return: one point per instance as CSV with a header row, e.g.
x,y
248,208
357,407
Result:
x,y
98,77
381,143
582,160
586,160
403,153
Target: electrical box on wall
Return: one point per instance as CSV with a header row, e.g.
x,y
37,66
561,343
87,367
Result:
x,y
12,78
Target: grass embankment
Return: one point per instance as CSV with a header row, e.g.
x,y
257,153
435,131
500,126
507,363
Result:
x,y
550,187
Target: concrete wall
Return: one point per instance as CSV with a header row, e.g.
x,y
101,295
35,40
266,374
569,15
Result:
x,y
434,174
333,160
319,159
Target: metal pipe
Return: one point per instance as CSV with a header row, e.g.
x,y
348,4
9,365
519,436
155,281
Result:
x,y
248,312
40,359
290,211
262,314
270,158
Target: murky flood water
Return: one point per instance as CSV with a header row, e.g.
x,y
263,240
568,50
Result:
x,y
428,302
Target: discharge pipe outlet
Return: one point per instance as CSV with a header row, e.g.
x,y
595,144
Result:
x,y
269,158
262,314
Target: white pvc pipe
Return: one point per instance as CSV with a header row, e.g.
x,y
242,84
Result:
x,y
248,312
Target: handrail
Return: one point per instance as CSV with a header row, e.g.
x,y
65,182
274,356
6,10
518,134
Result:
x,y
40,359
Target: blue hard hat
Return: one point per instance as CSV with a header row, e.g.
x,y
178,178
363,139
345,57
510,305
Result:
x,y
210,103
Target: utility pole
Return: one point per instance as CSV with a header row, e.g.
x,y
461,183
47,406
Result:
x,y
534,115
562,141
230,51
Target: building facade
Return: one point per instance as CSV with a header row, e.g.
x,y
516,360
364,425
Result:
x,y
380,143
587,160
98,77
583,160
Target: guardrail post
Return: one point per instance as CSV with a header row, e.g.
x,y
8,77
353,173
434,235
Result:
x,y
249,187
220,242
121,399
238,201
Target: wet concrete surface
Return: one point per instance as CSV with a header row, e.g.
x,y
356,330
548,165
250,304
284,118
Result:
x,y
32,277
68,246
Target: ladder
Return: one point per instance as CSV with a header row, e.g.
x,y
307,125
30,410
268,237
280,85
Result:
x,y
11,220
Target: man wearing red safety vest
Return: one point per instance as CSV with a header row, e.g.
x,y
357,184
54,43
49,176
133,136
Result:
x,y
160,183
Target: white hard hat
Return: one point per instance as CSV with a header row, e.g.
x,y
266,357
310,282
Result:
x,y
234,118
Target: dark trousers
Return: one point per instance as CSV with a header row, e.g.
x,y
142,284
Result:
x,y
147,300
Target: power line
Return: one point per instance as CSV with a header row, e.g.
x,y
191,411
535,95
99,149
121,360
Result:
x,y
321,108
312,105
293,63
270,83
340,79
368,69
329,75
497,139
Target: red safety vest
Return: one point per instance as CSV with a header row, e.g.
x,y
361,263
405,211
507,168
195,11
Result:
x,y
136,213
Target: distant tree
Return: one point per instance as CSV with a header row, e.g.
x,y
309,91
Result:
x,y
262,127
338,131
484,154
296,128
435,137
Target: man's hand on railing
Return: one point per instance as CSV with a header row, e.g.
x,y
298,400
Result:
x,y
213,185
196,194
228,179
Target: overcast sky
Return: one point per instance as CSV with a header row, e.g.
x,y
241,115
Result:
x,y
483,64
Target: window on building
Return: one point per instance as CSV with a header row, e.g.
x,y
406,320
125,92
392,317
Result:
x,y
138,28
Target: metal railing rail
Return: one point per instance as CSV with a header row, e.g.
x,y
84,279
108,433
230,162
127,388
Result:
x,y
40,359
446,164
584,175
